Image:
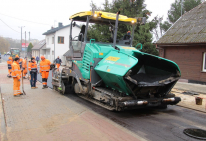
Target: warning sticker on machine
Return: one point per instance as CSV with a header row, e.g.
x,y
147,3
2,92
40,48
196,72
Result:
x,y
111,58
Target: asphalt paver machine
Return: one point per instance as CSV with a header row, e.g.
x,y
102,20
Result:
x,y
115,76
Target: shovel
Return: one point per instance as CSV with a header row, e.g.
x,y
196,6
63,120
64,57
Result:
x,y
23,85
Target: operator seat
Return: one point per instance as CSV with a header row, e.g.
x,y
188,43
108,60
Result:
x,y
127,37
81,34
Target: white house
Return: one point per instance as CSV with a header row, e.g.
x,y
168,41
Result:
x,y
57,41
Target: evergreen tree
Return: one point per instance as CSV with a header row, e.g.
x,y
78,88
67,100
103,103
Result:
x,y
175,11
29,49
165,26
158,28
190,4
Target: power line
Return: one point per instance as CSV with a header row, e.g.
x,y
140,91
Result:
x,y
25,20
9,26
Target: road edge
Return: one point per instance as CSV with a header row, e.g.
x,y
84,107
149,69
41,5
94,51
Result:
x,y
2,119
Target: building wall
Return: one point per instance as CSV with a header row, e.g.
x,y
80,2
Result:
x,y
49,46
60,49
35,53
189,59
42,52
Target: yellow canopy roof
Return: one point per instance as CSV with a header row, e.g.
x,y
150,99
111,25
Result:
x,y
102,17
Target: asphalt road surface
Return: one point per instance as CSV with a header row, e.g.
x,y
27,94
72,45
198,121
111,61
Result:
x,y
152,123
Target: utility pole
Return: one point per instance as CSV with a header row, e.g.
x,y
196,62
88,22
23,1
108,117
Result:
x,y
29,36
25,43
21,37
181,8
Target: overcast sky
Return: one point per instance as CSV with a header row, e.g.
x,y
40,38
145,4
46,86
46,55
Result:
x,y
16,13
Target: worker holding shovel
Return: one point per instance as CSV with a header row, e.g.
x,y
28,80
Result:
x,y
16,74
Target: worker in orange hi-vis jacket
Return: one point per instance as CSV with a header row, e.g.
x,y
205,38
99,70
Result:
x,y
33,72
9,62
24,67
20,61
44,70
16,74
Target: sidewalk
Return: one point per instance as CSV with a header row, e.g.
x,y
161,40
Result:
x,y
191,87
44,114
188,99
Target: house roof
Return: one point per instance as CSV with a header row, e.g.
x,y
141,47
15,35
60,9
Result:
x,y
190,28
40,44
53,30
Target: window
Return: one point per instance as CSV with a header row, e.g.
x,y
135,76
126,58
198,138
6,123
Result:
x,y
61,40
52,40
204,62
52,52
77,45
47,40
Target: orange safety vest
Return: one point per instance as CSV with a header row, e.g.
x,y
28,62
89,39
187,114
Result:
x,y
16,71
32,66
9,62
20,62
45,65
24,64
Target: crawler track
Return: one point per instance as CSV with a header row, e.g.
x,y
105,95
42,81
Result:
x,y
98,103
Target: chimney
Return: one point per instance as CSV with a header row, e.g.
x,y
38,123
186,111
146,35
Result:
x,y
60,25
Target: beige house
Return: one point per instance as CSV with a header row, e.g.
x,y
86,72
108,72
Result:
x,y
38,49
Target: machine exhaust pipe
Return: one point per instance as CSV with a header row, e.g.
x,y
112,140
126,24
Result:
x,y
168,100
134,103
171,100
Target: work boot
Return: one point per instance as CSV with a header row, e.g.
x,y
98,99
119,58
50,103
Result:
x,y
33,87
46,86
43,87
21,94
18,95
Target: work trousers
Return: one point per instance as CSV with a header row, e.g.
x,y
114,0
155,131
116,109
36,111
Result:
x,y
45,75
24,72
33,79
58,65
16,86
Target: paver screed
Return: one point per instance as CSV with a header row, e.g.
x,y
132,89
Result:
x,y
44,114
